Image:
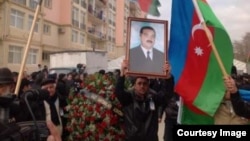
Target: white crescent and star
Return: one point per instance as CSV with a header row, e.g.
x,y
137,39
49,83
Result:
x,y
198,50
196,27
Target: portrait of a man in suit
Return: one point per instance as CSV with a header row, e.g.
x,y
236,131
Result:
x,y
146,57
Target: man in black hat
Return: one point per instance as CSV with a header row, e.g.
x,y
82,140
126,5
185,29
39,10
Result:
x,y
6,98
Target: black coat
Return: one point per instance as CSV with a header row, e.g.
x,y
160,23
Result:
x,y
240,106
141,123
38,109
139,63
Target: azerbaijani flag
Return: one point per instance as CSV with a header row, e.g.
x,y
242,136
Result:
x,y
198,77
149,6
189,117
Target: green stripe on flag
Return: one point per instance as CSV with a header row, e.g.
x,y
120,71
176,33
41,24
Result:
x,y
213,89
190,118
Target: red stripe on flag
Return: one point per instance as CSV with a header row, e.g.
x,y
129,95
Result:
x,y
145,4
196,65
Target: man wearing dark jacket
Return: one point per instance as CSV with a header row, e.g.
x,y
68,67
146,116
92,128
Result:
x,y
141,107
240,106
51,109
170,106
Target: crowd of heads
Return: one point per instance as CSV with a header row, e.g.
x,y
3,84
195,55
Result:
x,y
42,78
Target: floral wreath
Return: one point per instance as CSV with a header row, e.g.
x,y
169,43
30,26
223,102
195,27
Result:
x,y
90,120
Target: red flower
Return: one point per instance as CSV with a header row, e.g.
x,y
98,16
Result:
x,y
100,130
90,108
92,119
114,120
97,108
97,137
82,125
112,97
103,125
106,139
70,97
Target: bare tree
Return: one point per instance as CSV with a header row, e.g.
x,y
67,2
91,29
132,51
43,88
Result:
x,y
242,48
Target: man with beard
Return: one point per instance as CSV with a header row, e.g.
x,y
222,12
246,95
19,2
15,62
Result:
x,y
146,58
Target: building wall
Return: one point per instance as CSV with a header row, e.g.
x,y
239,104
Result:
x,y
59,18
120,14
60,13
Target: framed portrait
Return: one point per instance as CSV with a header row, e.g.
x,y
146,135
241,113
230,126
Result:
x,y
146,49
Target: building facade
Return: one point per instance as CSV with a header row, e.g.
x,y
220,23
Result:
x,y
98,25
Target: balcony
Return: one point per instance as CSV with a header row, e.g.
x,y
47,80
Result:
x,y
101,3
22,2
98,35
96,16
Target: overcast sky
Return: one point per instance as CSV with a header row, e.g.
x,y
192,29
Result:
x,y
233,14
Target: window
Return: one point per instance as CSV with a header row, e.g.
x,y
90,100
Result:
x,y
46,29
82,36
32,56
48,3
83,4
23,2
75,17
76,1
45,56
110,48
17,18
15,54
113,33
33,4
30,23
74,36
82,20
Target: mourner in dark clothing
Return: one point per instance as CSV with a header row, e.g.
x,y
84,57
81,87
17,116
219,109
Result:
x,y
240,106
8,108
50,109
61,86
170,106
141,107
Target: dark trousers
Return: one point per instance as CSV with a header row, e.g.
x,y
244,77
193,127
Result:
x,y
168,131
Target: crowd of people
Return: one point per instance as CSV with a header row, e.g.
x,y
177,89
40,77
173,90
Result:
x,y
143,105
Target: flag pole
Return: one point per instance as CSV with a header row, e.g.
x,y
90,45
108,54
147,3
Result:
x,y
27,48
209,36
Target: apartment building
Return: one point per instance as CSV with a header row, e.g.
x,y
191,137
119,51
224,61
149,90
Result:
x,y
127,8
98,25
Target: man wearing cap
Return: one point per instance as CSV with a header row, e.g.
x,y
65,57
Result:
x,y
6,98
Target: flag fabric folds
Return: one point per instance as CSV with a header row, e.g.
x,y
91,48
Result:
x,y
198,77
149,6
